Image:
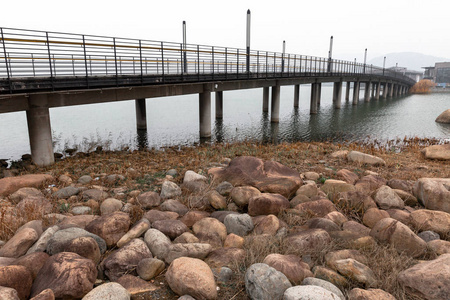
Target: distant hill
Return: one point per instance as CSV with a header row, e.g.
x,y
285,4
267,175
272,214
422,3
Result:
x,y
411,60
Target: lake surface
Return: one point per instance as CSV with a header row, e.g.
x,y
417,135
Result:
x,y
174,121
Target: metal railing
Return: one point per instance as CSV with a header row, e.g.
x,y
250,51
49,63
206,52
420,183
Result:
x,y
62,60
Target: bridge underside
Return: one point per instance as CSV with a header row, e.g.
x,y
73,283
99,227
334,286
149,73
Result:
x,y
74,92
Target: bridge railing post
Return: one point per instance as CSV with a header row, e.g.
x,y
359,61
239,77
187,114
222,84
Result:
x,y
6,61
162,62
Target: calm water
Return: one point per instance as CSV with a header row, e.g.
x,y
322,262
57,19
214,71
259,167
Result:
x,y
174,121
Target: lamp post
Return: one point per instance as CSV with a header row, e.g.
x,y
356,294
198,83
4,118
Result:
x,y
384,64
365,58
282,57
330,53
184,48
248,41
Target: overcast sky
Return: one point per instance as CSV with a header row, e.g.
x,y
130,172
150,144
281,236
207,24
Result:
x,y
382,26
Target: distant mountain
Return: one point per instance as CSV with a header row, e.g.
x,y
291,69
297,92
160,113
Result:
x,y
411,60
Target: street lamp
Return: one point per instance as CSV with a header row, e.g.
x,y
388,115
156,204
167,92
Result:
x,y
330,53
184,48
248,40
384,64
282,57
365,58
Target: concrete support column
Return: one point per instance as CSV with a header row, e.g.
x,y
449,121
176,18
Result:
x,y
219,105
367,91
356,86
337,94
347,91
315,94
141,114
275,107
377,92
373,87
395,90
39,131
266,99
319,94
296,94
391,90
205,114
385,87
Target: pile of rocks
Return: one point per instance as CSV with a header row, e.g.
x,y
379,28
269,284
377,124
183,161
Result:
x,y
194,235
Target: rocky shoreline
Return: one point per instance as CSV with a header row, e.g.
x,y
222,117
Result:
x,y
236,221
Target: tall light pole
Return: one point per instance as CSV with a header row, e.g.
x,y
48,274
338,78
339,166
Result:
x,y
282,57
184,48
330,53
248,40
365,58
384,64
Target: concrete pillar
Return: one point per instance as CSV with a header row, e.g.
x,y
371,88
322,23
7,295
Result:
x,y
395,90
384,95
275,107
391,90
141,114
205,114
315,87
39,131
367,91
373,88
219,105
377,92
347,91
356,86
337,94
266,99
296,94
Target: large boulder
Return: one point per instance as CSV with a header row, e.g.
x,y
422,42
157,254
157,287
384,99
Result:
x,y
171,228
23,193
126,259
67,274
263,282
319,208
195,250
239,224
18,278
400,236
308,240
429,279
210,230
33,262
437,221
225,257
110,227
266,176
444,117
158,243
62,238
434,193
387,198
241,195
356,271
439,152
149,199
9,185
19,244
266,204
191,276
290,265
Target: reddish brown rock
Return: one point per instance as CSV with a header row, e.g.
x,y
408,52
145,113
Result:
x,y
430,279
193,216
110,227
434,193
211,231
356,227
332,257
319,208
438,152
437,221
308,240
369,183
241,195
356,271
157,215
234,241
19,244
369,294
400,215
18,278
186,238
322,223
439,246
34,207
171,228
45,295
9,185
332,187
290,265
347,176
357,201
33,262
268,176
191,276
86,247
400,236
77,221
373,215
268,225
23,193
331,276
225,257
67,274
125,260
148,200
267,204
337,217
386,198
407,198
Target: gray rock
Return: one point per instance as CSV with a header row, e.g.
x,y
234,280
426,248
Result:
x,y
265,283
110,205
61,238
170,190
309,292
323,284
186,297
175,206
95,194
85,179
66,192
192,176
429,236
225,275
239,224
158,243
81,210
386,198
364,158
224,188
172,172
110,291
149,268
41,243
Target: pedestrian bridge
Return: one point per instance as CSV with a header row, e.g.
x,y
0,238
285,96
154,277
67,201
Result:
x,y
40,70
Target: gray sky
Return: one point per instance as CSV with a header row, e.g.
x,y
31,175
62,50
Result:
x,y
382,26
